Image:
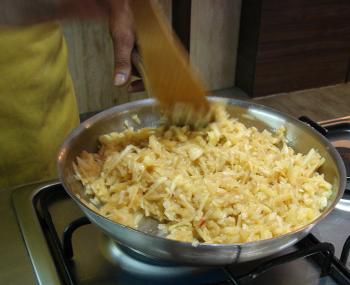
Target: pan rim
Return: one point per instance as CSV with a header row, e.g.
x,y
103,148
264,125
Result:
x,y
151,102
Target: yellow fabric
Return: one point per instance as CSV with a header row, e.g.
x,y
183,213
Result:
x,y
37,103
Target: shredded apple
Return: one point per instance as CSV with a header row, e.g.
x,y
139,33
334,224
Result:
x,y
223,183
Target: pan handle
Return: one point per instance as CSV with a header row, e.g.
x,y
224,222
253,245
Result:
x,y
323,131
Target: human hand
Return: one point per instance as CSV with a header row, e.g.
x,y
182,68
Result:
x,y
123,36
120,23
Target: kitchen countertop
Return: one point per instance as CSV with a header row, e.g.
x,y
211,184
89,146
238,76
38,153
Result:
x,y
318,104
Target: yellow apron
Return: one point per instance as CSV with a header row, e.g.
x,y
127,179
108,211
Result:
x,y
37,104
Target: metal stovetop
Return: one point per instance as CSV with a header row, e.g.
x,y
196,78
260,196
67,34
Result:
x,y
44,211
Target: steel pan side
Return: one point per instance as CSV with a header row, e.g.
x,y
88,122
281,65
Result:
x,y
186,253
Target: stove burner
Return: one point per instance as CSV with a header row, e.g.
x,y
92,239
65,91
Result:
x,y
142,265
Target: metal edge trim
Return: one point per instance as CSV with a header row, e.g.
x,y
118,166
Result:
x,y
32,233
335,121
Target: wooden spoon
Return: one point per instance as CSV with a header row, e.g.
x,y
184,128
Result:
x,y
165,65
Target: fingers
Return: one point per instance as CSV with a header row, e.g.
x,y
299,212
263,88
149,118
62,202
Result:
x,y
121,27
135,62
123,44
136,86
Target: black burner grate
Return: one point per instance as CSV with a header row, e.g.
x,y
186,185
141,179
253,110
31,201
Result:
x,y
345,252
67,246
321,253
326,249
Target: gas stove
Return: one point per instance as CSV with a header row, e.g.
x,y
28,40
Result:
x,y
64,248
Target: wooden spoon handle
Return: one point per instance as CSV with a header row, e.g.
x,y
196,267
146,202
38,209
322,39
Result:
x,y
165,65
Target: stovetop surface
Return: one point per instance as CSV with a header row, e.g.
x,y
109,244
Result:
x,y
98,260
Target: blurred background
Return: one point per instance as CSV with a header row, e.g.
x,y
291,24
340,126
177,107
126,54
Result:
x,y
250,49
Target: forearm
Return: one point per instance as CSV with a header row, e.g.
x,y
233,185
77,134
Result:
x,y
25,12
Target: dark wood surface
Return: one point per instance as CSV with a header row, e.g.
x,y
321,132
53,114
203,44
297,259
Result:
x,y
319,103
300,44
181,21
248,44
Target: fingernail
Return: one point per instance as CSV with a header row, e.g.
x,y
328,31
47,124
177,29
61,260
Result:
x,y
119,79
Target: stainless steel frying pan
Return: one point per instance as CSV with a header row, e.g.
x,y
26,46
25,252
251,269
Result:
x,y
146,240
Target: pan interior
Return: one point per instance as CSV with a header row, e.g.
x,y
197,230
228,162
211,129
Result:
x,y
85,137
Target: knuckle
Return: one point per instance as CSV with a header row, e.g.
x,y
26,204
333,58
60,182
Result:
x,y
124,39
122,62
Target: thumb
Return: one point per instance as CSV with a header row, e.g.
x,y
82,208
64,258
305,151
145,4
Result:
x,y
121,28
123,42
